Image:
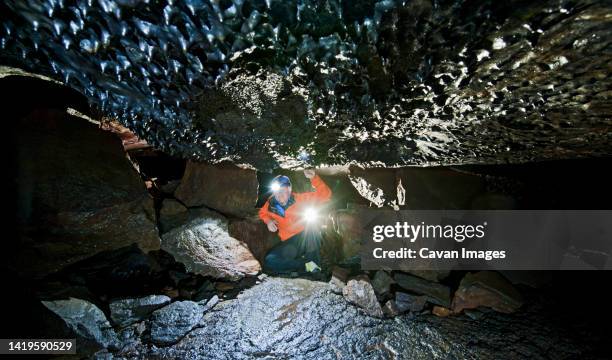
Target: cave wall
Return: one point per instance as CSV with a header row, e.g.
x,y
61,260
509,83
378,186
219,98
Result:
x,y
75,191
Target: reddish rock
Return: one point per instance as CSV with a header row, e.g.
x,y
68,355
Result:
x,y
489,289
129,140
81,234
440,311
351,226
254,233
227,188
170,292
224,286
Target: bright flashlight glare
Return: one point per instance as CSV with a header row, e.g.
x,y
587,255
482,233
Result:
x,y
311,215
275,186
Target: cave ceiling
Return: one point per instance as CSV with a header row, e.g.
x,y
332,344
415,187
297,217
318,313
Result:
x,y
380,83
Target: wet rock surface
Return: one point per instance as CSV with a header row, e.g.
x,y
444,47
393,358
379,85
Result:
x,y
380,82
301,319
86,320
172,322
128,311
130,272
407,302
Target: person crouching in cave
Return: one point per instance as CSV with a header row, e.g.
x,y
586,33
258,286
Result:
x,y
292,215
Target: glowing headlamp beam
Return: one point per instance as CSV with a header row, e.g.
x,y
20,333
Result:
x,y
275,186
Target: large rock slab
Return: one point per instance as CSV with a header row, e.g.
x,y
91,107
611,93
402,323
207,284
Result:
x,y
381,282
351,225
486,288
227,188
77,194
124,312
172,322
302,319
436,293
87,321
71,236
205,247
431,275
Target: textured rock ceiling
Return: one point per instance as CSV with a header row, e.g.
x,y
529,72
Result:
x,y
372,82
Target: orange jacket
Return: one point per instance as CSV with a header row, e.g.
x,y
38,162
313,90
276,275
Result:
x,y
292,224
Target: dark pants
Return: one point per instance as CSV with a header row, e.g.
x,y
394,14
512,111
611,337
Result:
x,y
293,253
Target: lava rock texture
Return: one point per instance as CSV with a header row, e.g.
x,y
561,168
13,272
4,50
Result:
x,y
388,82
302,319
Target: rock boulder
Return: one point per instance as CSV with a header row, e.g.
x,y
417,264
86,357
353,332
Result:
x,y
86,320
205,247
128,311
486,288
173,321
360,292
226,188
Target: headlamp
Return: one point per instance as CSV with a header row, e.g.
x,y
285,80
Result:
x,y
275,186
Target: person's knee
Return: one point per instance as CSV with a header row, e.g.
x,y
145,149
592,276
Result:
x,y
270,261
270,257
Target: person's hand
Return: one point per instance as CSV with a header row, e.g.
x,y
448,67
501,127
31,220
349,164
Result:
x,y
309,173
272,225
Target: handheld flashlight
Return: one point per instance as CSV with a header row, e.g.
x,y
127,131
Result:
x,y
311,215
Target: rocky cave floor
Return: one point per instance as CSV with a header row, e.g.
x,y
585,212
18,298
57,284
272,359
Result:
x,y
174,314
